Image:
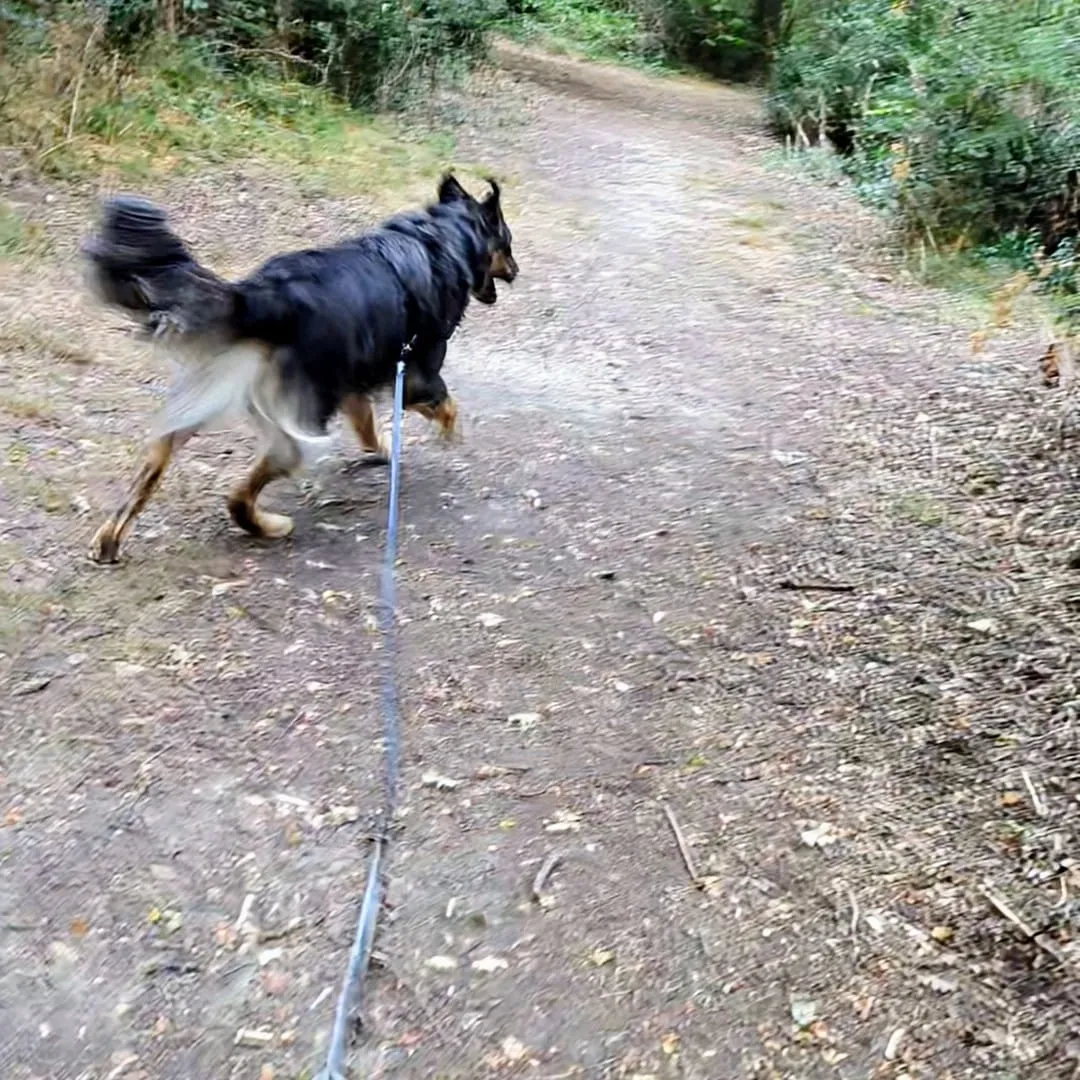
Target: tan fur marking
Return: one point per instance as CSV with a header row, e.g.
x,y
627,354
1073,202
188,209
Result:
x,y
360,411
105,547
278,462
444,414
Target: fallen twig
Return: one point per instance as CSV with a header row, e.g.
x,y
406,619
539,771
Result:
x,y
501,768
1037,937
276,54
684,849
545,871
746,778
1002,907
855,913
1037,801
245,911
818,586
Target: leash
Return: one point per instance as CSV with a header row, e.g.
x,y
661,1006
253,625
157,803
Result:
x,y
349,1000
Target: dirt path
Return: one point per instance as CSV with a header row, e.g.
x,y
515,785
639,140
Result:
x,y
698,391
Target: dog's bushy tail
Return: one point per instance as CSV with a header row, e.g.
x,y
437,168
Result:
x,y
137,263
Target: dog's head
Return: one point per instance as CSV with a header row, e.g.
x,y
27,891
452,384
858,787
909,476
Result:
x,y
497,258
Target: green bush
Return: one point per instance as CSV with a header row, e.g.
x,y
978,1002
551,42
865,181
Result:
x,y
369,52
596,28
75,108
961,118
722,37
717,36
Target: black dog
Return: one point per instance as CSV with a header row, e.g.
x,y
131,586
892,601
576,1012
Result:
x,y
307,335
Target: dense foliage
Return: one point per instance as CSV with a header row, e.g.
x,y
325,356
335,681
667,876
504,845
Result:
x,y
959,115
78,98
369,52
729,38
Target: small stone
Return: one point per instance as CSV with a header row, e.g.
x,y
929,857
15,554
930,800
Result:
x,y
439,782
337,816
489,964
804,1012
525,720
514,1049
35,684
275,983
940,985
62,954
441,963
892,1047
819,835
565,821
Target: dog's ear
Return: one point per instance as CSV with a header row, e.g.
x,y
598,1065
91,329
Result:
x,y
491,202
450,190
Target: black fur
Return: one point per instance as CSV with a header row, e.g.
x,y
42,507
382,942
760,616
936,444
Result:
x,y
336,319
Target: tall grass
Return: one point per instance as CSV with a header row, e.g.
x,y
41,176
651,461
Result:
x,y
77,108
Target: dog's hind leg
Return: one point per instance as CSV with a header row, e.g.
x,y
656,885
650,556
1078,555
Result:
x,y
105,547
360,412
281,457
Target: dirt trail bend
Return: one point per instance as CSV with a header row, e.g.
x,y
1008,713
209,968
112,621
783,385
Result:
x,y
697,396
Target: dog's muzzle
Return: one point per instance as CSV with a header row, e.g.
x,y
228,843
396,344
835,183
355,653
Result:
x,y
504,267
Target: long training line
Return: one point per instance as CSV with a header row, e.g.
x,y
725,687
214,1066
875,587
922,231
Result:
x,y
350,997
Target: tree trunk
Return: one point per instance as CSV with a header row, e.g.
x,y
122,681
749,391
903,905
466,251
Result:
x,y
169,15
768,17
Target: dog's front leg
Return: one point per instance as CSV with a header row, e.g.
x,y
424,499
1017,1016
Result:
x,y
105,547
360,411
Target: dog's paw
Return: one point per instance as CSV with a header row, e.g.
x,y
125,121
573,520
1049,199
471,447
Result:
x,y
274,526
256,522
446,416
105,547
